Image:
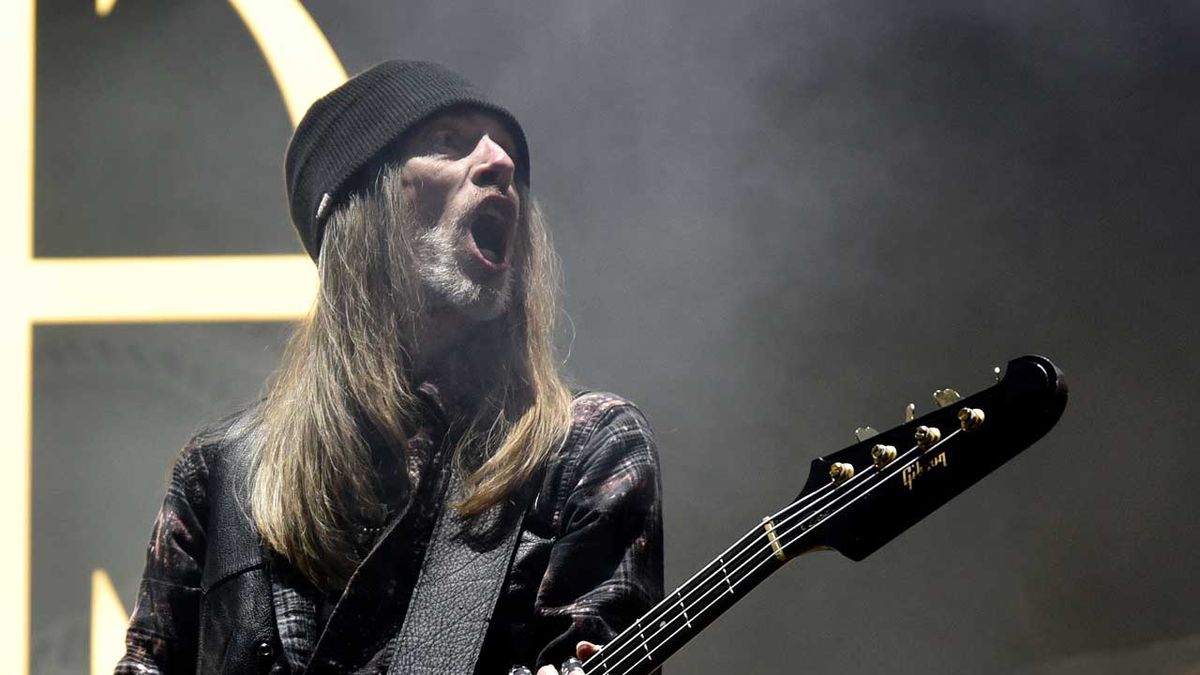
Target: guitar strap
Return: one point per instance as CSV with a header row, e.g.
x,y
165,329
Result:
x,y
460,581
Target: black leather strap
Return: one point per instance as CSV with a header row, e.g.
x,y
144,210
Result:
x,y
461,579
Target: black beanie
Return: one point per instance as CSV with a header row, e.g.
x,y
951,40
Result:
x,y
349,126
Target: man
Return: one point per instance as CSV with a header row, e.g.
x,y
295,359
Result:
x,y
304,533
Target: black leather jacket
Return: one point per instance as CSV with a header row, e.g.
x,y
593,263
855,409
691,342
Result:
x,y
588,562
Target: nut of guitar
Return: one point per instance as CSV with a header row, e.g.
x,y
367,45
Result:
x,y
970,418
841,472
926,437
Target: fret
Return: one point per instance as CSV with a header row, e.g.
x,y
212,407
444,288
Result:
x,y
725,573
689,608
642,637
679,601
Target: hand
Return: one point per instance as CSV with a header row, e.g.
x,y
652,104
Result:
x,y
583,652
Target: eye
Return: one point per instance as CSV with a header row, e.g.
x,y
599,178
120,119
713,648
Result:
x,y
444,141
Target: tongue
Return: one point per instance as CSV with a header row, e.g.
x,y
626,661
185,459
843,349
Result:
x,y
489,255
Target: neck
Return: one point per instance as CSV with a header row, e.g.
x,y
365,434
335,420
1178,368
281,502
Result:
x,y
439,334
447,354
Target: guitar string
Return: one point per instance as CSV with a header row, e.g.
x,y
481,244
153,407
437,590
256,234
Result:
x,y
712,569
663,604
768,550
673,602
673,599
716,570
840,495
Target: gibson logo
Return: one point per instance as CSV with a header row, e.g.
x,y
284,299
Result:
x,y
917,469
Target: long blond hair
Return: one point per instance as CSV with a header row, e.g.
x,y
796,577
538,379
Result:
x,y
346,373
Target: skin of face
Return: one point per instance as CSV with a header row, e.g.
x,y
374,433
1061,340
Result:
x,y
457,173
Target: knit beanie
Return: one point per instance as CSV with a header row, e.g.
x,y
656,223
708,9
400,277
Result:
x,y
344,130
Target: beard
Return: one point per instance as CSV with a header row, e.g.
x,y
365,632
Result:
x,y
444,266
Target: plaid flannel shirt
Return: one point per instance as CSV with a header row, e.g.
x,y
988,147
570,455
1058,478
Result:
x,y
588,563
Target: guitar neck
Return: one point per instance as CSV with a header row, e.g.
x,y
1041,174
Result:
x,y
658,634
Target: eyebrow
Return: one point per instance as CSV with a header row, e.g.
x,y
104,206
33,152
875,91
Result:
x,y
507,142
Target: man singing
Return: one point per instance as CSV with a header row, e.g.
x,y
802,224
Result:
x,y
418,486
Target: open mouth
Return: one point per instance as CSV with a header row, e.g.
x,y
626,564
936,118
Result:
x,y
490,232
491,238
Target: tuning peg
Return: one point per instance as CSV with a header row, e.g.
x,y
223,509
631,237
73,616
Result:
x,y
519,670
571,666
841,472
944,397
882,455
970,418
927,436
863,433
910,412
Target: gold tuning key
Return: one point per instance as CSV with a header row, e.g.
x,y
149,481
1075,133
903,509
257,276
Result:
x,y
944,397
882,455
926,437
970,418
841,472
863,433
910,412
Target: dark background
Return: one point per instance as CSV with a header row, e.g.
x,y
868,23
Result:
x,y
778,221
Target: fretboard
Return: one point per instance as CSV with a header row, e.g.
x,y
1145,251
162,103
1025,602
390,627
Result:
x,y
669,625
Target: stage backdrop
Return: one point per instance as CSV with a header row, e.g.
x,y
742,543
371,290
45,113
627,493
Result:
x,y
778,220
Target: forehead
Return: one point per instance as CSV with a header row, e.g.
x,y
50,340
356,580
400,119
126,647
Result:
x,y
468,121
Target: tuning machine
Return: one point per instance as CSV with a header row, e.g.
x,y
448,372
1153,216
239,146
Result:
x,y
840,472
927,437
882,455
945,397
970,419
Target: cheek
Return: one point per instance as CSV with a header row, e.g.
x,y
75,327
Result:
x,y
414,199
425,192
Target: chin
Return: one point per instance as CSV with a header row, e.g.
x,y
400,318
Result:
x,y
488,306
476,301
456,281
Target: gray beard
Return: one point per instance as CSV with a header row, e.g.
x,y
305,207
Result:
x,y
438,251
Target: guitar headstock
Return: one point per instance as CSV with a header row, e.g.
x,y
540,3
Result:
x,y
858,499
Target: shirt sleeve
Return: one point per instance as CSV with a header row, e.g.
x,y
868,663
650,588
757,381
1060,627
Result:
x,y
606,567
163,630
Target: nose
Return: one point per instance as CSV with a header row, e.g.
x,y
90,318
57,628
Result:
x,y
492,166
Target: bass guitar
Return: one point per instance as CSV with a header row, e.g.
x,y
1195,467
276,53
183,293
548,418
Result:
x,y
855,501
